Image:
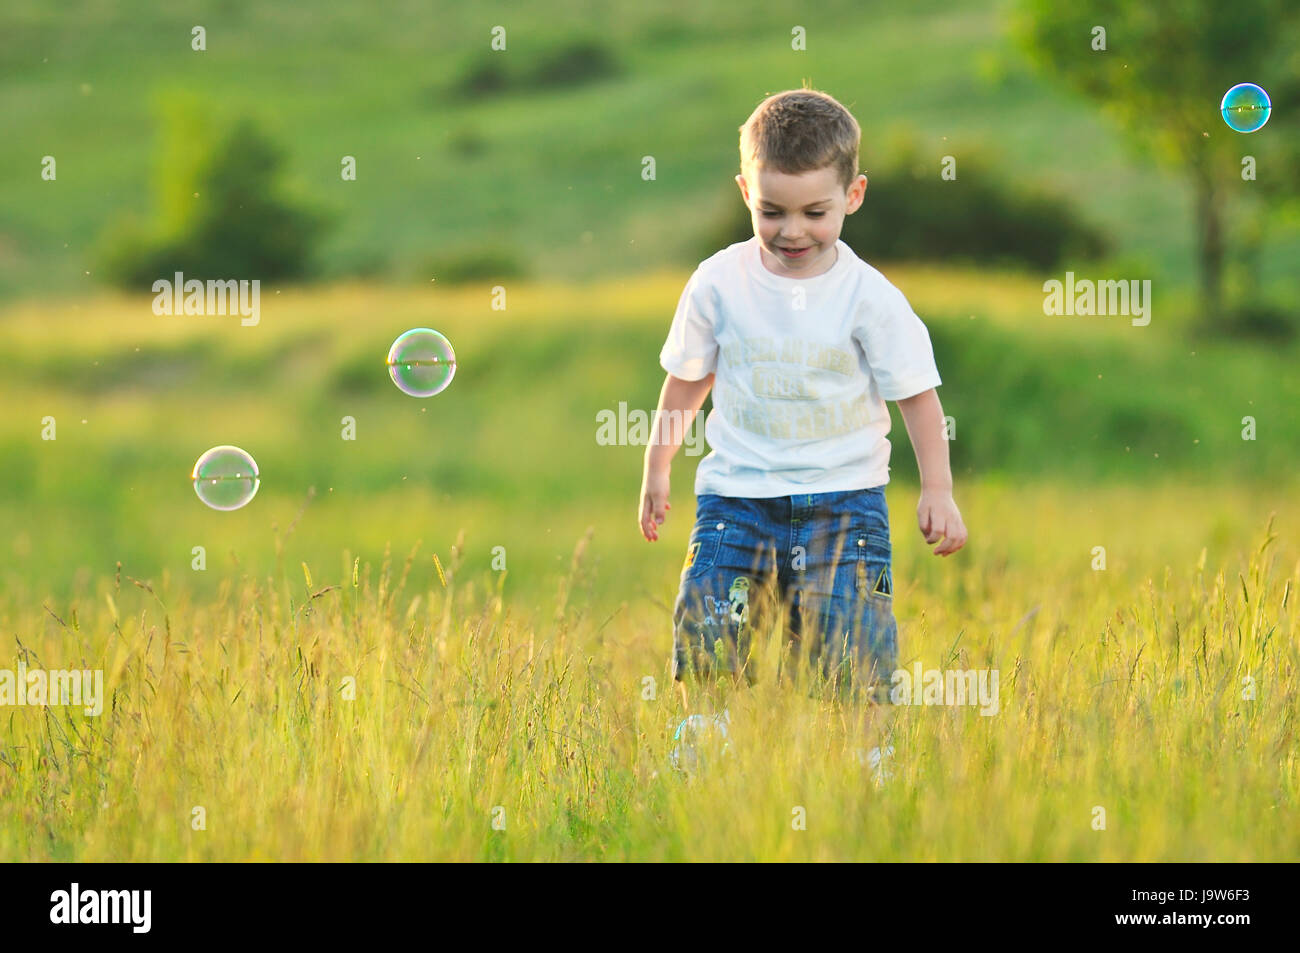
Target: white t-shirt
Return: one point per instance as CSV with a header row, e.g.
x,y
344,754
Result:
x,y
804,367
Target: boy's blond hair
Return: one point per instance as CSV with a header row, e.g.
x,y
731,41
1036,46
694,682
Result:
x,y
801,130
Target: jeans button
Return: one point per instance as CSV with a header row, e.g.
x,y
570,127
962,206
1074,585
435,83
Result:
x,y
720,526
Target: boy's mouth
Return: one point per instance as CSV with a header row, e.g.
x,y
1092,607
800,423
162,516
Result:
x,y
794,252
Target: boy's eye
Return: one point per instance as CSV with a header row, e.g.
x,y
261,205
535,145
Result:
x,y
818,214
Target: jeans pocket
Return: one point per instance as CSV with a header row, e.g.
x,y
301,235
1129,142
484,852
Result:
x,y
702,552
875,578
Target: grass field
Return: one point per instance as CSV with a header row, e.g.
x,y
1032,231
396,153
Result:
x,y
508,453
1120,689
523,690
446,639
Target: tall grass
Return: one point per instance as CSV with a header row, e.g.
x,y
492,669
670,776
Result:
x,y
1120,689
520,696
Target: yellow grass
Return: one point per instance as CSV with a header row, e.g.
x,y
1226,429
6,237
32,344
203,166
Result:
x,y
1120,689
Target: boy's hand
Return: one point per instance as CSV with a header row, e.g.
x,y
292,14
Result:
x,y
939,518
654,502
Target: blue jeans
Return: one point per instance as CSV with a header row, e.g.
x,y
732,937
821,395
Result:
x,y
827,555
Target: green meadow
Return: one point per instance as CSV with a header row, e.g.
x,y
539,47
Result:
x,y
548,174
323,689
509,452
446,639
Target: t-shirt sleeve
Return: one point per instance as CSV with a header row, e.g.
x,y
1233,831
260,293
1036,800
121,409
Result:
x,y
897,346
691,351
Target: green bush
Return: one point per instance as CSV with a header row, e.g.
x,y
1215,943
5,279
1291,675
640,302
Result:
x,y
577,62
574,63
475,263
912,214
1259,321
485,77
237,222
467,143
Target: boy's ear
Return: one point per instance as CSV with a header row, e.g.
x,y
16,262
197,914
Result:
x,y
857,192
744,189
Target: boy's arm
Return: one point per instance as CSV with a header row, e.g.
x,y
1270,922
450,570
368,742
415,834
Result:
x,y
937,513
679,402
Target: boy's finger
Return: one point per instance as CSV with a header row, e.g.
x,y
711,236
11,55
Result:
x,y
955,541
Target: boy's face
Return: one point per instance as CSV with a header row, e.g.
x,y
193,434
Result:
x,y
798,218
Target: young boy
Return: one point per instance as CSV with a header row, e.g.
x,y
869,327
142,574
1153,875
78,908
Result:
x,y
802,343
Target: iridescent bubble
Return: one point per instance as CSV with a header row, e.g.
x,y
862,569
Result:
x,y
421,362
225,478
1245,107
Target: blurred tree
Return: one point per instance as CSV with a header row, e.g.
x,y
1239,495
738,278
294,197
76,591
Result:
x,y
243,223
1162,74
221,210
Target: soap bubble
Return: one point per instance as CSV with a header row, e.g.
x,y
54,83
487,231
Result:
x,y
1245,107
421,362
225,478
699,740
